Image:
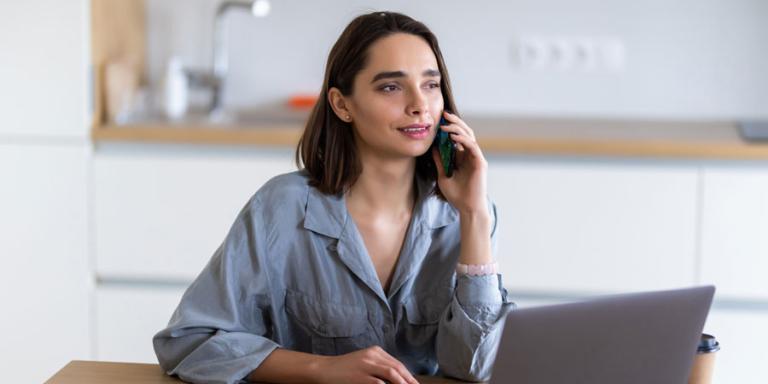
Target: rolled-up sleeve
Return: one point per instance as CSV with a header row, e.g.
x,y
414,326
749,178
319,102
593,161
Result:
x,y
217,333
470,329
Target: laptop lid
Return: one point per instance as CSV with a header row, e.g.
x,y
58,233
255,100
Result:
x,y
632,338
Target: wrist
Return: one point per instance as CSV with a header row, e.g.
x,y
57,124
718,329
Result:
x,y
476,221
315,368
475,214
491,268
476,239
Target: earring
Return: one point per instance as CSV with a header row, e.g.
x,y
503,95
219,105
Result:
x,y
347,118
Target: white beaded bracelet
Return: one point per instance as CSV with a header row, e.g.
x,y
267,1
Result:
x,y
477,269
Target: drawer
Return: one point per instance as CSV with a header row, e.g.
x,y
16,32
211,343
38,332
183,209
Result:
x,y
742,337
162,215
734,245
127,318
587,227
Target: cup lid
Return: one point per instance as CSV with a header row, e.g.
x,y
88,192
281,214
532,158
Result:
x,y
707,344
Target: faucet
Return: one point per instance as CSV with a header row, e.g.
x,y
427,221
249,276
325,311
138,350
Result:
x,y
214,79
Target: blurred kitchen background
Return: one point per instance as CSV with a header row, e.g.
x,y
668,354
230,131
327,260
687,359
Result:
x,y
623,139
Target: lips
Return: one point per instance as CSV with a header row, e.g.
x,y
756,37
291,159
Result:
x,y
416,131
414,128
417,125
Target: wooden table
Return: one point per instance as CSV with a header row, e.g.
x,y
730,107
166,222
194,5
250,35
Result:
x,y
99,372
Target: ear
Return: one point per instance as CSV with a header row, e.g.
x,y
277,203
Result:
x,y
339,104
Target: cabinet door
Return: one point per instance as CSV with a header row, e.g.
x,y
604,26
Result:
x,y
44,66
127,317
742,338
45,276
594,228
734,242
162,216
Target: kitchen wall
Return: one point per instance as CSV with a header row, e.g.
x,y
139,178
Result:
x,y
685,59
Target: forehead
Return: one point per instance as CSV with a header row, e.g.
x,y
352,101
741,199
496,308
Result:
x,y
400,51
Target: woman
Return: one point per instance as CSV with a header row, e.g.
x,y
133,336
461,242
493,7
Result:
x,y
369,264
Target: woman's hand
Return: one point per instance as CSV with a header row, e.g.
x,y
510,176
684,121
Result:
x,y
371,365
466,188
466,191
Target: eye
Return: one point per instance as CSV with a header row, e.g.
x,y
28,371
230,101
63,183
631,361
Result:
x,y
388,88
433,85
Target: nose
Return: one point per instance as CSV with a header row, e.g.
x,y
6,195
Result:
x,y
417,105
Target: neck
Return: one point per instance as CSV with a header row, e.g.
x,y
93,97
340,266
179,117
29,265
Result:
x,y
384,186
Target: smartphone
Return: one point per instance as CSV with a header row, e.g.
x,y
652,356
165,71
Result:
x,y
446,147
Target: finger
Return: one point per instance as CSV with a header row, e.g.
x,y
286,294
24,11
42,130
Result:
x,y
401,369
458,129
388,373
469,144
461,123
452,127
451,117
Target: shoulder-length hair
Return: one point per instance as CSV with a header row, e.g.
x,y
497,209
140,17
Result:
x,y
327,148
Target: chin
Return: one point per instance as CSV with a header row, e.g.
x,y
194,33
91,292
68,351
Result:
x,y
418,151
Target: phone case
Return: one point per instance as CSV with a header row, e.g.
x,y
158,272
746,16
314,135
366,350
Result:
x,y
447,149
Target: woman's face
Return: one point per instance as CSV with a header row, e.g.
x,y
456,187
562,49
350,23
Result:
x,y
396,99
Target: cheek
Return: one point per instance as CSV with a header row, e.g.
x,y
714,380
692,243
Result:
x,y
385,109
437,104
378,114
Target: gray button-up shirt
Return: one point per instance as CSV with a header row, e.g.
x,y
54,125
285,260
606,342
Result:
x,y
294,273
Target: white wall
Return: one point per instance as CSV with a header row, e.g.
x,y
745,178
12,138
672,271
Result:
x,y
44,153
697,59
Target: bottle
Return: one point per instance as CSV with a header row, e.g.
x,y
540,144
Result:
x,y
176,90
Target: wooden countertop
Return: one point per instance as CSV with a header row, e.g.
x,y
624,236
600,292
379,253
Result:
x,y
568,137
98,372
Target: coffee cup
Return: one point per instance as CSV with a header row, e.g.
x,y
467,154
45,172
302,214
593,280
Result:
x,y
704,362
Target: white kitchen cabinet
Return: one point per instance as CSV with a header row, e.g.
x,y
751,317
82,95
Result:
x,y
161,215
735,231
742,337
45,277
591,227
44,68
128,316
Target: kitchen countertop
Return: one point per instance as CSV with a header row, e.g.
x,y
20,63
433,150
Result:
x,y
498,135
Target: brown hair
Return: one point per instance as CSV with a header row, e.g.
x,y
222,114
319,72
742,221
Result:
x,y
327,147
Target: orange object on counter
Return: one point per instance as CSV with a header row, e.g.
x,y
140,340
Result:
x,y
302,101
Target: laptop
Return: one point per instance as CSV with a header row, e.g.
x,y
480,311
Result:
x,y
643,338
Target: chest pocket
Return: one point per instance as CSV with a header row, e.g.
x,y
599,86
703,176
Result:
x,y
329,328
421,320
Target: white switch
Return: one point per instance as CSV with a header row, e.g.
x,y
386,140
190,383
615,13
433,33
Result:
x,y
612,54
584,54
532,53
561,54
570,53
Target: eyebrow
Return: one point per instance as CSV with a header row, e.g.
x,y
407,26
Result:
x,y
395,74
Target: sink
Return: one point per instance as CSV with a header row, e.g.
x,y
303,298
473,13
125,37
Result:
x,y
232,118
258,116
